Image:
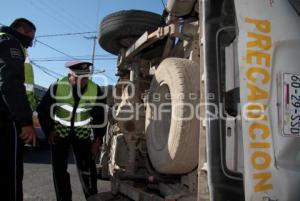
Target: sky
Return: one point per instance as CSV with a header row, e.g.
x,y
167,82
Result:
x,y
56,17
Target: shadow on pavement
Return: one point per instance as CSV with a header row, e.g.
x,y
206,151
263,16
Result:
x,y
41,155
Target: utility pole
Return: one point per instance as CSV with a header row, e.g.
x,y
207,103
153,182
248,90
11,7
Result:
x,y
93,53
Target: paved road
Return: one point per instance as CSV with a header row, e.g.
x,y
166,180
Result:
x,y
38,183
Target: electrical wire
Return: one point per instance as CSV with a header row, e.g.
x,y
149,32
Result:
x,y
45,71
104,73
109,77
65,34
49,60
45,68
55,49
163,3
99,72
57,75
78,57
97,13
49,14
73,16
64,15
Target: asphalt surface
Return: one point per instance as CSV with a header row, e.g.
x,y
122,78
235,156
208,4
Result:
x,y
38,183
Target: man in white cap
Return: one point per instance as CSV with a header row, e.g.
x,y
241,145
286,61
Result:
x,y
72,114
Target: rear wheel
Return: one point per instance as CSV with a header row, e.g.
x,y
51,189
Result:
x,y
121,29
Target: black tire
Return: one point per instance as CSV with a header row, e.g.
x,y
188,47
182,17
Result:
x,y
121,29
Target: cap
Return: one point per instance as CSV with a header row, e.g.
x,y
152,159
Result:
x,y
79,67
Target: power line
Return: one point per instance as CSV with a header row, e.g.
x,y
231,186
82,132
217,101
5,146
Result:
x,y
108,76
64,15
105,74
55,49
49,60
48,13
79,57
162,1
69,16
57,75
99,71
94,49
43,69
65,34
97,13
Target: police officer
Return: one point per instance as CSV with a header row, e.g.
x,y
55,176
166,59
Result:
x,y
72,115
15,113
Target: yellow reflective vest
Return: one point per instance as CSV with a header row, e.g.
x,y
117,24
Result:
x,y
64,109
29,82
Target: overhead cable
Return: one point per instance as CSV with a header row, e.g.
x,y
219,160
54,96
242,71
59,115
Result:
x,y
55,49
66,34
65,14
48,60
49,14
106,75
43,70
78,56
162,1
97,13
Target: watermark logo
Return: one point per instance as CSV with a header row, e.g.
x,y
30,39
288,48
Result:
x,y
177,107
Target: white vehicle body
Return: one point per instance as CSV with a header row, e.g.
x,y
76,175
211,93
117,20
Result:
x,y
242,59
268,50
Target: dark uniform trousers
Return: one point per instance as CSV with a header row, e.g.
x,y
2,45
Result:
x,y
85,165
11,160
